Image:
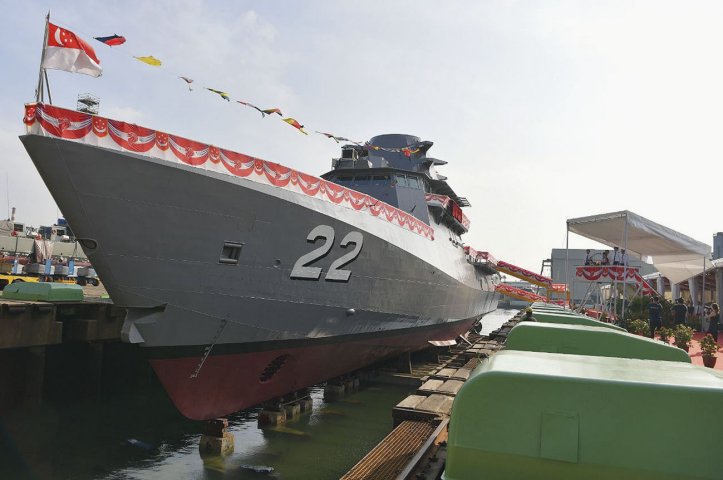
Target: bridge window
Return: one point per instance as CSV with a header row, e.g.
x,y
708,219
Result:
x,y
380,180
401,180
361,180
413,182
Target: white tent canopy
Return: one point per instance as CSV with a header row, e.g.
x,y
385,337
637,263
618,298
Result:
x,y
676,256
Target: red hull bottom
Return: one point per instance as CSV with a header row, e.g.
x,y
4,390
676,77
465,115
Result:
x,y
232,382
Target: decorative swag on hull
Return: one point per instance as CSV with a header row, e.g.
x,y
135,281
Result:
x,y
48,120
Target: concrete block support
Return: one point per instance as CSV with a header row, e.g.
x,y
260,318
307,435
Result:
x,y
209,445
333,391
272,418
307,404
293,411
216,439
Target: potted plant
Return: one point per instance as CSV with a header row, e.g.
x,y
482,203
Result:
x,y
665,334
639,327
683,334
708,347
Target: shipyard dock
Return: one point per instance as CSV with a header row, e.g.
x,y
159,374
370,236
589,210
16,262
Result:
x,y
415,449
47,343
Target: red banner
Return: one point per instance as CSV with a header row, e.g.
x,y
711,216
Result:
x,y
58,122
519,294
614,273
524,274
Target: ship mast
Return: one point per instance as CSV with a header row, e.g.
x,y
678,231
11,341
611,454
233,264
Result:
x,y
43,74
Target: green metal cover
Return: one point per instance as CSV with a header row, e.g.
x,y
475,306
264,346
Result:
x,y
571,319
43,292
585,340
534,416
548,305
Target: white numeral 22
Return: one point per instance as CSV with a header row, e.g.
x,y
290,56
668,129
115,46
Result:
x,y
301,267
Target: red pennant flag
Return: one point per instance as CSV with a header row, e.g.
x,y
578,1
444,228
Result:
x,y
112,40
66,51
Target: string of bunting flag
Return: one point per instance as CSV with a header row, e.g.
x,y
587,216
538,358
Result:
x,y
64,50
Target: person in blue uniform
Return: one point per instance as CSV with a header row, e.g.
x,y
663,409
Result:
x,y
679,312
655,311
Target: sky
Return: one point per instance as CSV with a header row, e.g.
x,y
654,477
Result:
x,y
544,110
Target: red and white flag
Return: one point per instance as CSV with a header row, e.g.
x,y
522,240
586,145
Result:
x,y
67,51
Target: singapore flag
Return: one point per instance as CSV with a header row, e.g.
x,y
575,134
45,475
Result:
x,y
66,51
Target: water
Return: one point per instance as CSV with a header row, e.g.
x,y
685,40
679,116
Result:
x,y
88,439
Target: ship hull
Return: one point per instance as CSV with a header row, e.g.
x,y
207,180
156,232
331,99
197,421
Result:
x,y
159,230
254,373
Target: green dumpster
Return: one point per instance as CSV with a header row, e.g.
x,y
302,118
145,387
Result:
x,y
572,319
43,292
534,416
586,340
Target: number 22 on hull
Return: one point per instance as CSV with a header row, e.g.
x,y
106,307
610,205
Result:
x,y
302,270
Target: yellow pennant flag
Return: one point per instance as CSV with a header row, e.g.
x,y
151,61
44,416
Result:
x,y
150,60
295,124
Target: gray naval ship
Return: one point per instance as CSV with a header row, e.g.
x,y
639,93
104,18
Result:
x,y
245,280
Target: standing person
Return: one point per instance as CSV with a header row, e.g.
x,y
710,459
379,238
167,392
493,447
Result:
x,y
616,260
623,257
588,257
605,258
679,312
654,311
713,317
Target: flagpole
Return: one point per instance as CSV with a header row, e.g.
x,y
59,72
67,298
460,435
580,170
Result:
x,y
47,86
39,97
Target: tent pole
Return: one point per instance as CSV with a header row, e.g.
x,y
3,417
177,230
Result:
x,y
702,290
567,262
625,266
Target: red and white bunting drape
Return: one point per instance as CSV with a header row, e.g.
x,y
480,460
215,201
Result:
x,y
524,274
57,122
614,273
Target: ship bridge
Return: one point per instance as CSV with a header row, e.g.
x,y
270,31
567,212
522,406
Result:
x,y
395,169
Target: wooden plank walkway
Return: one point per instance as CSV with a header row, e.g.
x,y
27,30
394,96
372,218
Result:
x,y
416,418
